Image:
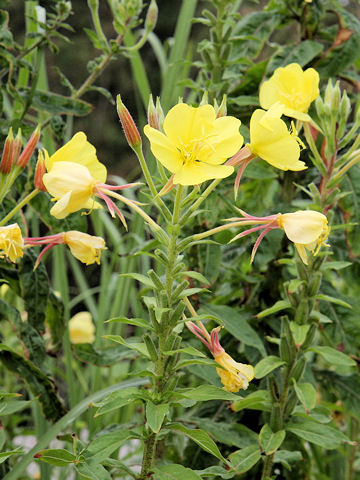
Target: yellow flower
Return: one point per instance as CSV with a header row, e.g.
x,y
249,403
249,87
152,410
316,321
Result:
x,y
271,140
73,173
195,143
81,328
293,88
308,229
11,242
84,247
233,375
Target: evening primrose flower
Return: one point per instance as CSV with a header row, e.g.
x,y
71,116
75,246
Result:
x,y
271,140
11,242
195,143
292,88
308,229
233,375
75,176
81,328
84,247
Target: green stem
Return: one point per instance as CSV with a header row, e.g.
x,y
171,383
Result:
x,y
66,420
203,196
19,206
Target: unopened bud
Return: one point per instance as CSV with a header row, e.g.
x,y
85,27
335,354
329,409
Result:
x,y
16,148
328,92
39,172
205,99
29,148
222,110
6,164
151,16
160,112
319,105
152,114
345,110
131,132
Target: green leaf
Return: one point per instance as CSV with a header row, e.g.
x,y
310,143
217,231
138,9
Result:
x,y
117,400
207,392
155,415
231,434
187,350
337,301
270,441
58,457
285,457
197,276
210,260
92,472
6,38
244,459
138,322
196,361
105,444
335,265
55,321
57,104
40,385
200,437
5,455
259,400
175,472
217,472
277,307
236,323
267,365
299,333
101,357
138,347
139,277
7,408
313,432
334,357
306,393
301,53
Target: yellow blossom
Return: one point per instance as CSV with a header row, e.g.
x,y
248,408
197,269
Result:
x,y
81,328
308,229
271,140
195,143
233,375
73,172
11,242
293,88
84,247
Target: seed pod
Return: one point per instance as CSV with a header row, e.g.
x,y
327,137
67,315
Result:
x,y
150,347
314,284
284,349
309,337
302,311
177,314
298,369
155,279
290,404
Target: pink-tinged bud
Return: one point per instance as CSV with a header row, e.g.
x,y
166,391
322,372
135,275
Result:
x,y
160,112
151,16
16,148
5,164
39,172
152,115
131,132
221,111
29,148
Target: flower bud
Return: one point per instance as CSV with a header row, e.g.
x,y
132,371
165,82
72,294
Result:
x,y
29,148
222,110
151,16
131,132
16,148
204,99
39,172
81,328
152,114
5,164
345,110
160,112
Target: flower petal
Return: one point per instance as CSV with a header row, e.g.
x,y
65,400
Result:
x,y
304,226
194,173
163,149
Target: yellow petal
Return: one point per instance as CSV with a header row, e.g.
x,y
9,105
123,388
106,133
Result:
x,y
302,252
79,150
183,123
84,247
81,328
11,241
163,149
61,208
303,227
194,173
224,143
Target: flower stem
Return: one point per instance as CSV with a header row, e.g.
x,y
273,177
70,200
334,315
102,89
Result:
x,y
19,206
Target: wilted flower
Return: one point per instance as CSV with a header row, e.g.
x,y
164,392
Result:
x,y
81,328
308,229
233,375
293,88
195,143
11,242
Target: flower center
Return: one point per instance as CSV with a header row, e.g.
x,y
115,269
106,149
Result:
x,y
197,147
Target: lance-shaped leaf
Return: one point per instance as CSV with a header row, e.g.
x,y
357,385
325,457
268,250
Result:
x,y
270,441
101,357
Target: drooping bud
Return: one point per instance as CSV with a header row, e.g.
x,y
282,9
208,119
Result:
x,y
5,164
39,172
152,114
160,112
131,132
16,148
29,148
151,16
222,110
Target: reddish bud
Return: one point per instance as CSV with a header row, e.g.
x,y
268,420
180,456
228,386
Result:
x,y
29,148
152,114
5,164
131,132
16,148
160,112
221,111
151,16
39,172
